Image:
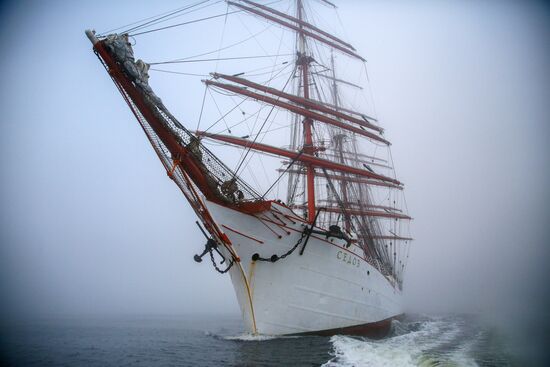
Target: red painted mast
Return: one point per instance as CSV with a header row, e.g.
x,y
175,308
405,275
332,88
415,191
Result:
x,y
308,148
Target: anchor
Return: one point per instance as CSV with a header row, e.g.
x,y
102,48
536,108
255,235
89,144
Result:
x,y
210,245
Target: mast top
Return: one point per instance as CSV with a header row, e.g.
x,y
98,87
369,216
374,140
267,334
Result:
x,y
298,25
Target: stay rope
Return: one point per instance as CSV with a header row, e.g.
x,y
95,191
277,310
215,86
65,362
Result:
x,y
261,128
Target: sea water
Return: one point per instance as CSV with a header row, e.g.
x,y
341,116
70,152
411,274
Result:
x,y
416,340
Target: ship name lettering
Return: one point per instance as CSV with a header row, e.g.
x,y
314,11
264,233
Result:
x,y
348,259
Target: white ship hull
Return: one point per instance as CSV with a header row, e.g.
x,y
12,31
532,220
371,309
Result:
x,y
330,288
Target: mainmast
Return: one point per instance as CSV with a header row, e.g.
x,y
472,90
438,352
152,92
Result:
x,y
303,61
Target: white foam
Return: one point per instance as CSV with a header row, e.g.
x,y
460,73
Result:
x,y
358,353
247,337
403,350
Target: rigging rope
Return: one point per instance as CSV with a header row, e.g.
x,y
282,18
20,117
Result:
x,y
141,20
193,21
184,23
179,61
154,21
225,47
261,127
220,112
202,107
283,173
179,73
227,113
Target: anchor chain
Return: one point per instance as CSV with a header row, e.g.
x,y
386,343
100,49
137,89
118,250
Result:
x,y
209,247
216,265
275,257
305,234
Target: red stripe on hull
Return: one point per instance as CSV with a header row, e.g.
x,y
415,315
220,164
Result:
x,y
374,330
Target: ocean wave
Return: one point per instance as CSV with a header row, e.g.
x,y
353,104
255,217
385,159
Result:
x,y
433,342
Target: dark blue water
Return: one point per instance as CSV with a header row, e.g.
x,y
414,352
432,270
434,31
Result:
x,y
219,341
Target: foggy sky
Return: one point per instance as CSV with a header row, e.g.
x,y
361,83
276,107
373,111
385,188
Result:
x,y
91,224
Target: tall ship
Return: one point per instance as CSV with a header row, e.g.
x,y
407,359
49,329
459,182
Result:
x,y
287,167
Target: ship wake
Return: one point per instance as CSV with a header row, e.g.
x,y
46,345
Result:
x,y
427,342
